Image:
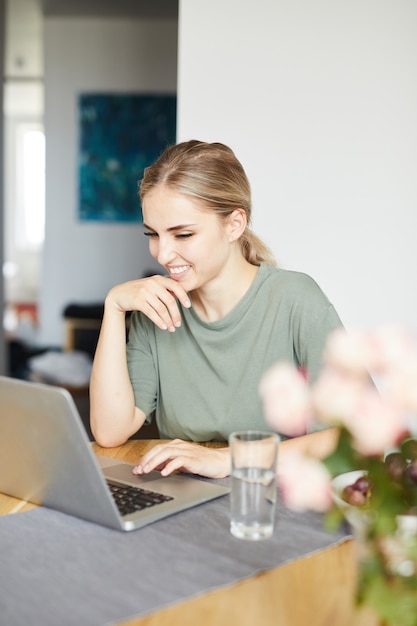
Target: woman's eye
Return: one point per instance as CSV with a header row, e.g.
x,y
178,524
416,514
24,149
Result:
x,y
177,236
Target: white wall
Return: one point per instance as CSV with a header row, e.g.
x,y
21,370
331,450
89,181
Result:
x,y
23,104
3,358
23,109
318,100
83,260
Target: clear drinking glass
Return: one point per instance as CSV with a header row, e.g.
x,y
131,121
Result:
x,y
254,490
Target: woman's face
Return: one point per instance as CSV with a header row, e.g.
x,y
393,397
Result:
x,y
192,244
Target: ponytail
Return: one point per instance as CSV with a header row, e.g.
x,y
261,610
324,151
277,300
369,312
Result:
x,y
254,250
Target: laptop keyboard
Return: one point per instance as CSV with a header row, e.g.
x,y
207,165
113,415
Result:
x,y
130,499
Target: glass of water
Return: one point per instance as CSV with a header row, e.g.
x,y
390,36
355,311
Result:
x,y
254,489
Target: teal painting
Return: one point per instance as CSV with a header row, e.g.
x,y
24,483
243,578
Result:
x,y
120,135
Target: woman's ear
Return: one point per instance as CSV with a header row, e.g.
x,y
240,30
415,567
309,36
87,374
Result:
x,y
237,224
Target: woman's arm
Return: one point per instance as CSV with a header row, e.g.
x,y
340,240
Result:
x,y
178,455
113,414
318,444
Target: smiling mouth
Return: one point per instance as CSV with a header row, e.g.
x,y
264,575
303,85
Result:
x,y
178,270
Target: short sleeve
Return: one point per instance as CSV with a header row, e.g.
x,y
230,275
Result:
x,y
141,357
316,318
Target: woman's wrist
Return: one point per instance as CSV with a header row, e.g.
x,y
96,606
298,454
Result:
x,y
226,462
112,307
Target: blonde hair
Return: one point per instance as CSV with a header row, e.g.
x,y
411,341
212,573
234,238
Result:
x,y
210,173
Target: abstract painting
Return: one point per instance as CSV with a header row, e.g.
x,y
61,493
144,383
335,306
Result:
x,y
119,135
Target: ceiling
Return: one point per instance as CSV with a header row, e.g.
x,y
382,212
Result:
x,y
111,8
24,26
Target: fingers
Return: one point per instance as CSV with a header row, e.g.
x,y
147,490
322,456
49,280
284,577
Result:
x,y
178,455
157,458
162,294
179,292
161,307
155,296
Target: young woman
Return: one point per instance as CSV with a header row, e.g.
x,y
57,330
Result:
x,y
202,335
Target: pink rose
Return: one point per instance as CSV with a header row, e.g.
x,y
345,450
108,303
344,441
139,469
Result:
x,y
351,351
391,345
286,400
376,425
304,482
335,395
400,384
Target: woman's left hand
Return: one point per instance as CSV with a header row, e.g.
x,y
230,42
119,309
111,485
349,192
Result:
x,y
184,456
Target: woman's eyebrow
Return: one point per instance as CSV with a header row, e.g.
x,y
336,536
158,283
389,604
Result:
x,y
171,228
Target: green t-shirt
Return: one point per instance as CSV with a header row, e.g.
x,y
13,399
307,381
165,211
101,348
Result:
x,y
202,380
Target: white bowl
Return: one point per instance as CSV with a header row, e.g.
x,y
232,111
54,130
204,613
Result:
x,y
359,518
356,516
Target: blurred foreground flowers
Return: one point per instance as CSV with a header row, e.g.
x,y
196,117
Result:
x,y
367,388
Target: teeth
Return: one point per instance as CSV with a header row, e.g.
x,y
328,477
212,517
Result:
x,y
178,270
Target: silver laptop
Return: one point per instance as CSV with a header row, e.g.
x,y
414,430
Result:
x,y
46,458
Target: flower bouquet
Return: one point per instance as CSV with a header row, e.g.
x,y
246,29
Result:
x,y
367,388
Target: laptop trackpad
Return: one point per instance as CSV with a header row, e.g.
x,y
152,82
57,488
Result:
x,y
123,472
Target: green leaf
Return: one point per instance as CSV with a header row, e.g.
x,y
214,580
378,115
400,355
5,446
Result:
x,y
393,600
333,519
389,497
344,458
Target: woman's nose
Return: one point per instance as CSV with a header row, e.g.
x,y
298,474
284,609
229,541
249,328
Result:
x,y
164,252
